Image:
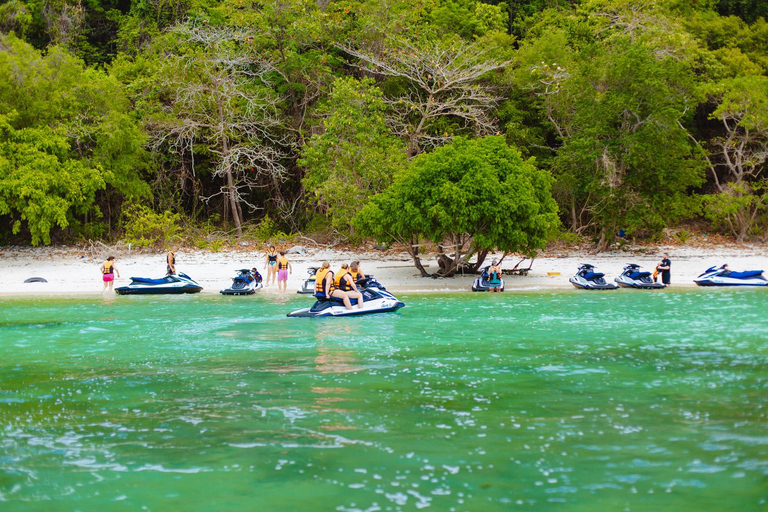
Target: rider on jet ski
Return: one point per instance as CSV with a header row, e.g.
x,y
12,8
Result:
x,y
325,288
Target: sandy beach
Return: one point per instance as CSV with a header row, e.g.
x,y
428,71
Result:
x,y
75,269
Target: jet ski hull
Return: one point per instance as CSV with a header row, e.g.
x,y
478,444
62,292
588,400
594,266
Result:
x,y
247,289
587,279
375,300
169,285
721,277
632,277
245,283
482,285
583,284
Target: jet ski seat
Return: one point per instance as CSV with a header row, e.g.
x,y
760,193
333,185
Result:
x,y
745,274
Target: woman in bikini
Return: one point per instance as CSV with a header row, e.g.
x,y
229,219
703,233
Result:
x,y
271,265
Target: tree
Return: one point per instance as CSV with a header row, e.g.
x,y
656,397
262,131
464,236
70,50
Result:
x,y
742,187
55,92
41,185
220,100
443,83
469,195
354,157
617,93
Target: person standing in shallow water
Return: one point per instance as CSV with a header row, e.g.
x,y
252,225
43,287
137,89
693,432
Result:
x,y
108,270
170,260
664,268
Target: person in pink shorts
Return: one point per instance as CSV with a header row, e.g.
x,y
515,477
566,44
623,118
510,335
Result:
x,y
283,268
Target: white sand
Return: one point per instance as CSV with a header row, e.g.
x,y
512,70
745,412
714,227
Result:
x,y
71,269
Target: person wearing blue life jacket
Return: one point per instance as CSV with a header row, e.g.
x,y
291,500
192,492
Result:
x,y
494,277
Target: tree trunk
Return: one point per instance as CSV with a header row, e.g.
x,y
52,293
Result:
x,y
413,249
231,192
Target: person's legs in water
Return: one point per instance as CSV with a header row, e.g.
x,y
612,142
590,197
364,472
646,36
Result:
x,y
343,296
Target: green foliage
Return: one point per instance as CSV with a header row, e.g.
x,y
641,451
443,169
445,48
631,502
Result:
x,y
354,157
736,208
472,189
41,185
683,235
144,228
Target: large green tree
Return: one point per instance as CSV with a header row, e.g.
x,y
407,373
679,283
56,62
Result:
x,y
355,156
471,195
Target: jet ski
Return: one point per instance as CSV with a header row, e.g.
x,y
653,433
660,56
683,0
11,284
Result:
x,y
308,287
721,276
170,284
246,282
375,300
587,279
633,277
482,283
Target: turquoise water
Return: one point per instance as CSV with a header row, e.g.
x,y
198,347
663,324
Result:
x,y
537,401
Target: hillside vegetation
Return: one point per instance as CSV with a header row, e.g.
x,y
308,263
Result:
x,y
468,124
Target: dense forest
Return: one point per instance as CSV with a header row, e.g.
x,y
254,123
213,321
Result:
x,y
471,124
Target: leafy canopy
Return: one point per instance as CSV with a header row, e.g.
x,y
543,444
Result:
x,y
479,188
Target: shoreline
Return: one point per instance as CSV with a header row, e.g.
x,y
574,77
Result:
x,y
72,270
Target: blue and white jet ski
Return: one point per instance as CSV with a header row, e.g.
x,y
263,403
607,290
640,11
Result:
x,y
721,276
375,300
308,286
633,277
246,282
482,283
170,284
587,279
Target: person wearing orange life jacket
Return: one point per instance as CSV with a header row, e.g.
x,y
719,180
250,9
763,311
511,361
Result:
x,y
344,282
283,267
355,271
108,270
325,288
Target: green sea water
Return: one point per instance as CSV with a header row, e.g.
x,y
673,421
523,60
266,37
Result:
x,y
573,401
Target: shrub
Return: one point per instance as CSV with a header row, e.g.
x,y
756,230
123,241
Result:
x,y
144,228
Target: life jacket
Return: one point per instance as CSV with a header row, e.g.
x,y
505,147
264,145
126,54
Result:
x,y
356,274
272,256
320,281
282,263
341,283
494,273
107,267
171,258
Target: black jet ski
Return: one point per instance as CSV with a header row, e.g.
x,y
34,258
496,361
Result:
x,y
246,282
308,286
170,284
482,283
721,276
587,279
375,300
633,277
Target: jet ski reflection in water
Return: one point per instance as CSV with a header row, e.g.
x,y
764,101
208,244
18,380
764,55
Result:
x,y
170,284
722,276
375,298
587,279
246,282
633,277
